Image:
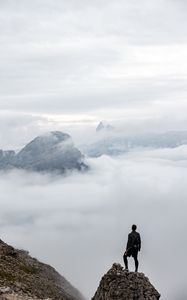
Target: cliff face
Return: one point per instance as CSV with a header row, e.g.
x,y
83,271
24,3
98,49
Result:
x,y
25,278
118,284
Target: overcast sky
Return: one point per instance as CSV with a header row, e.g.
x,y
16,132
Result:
x,y
66,65
91,60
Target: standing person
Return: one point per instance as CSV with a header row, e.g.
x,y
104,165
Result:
x,y
133,246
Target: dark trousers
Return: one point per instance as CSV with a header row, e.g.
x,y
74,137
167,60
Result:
x,y
134,254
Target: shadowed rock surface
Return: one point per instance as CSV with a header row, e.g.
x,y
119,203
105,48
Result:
x,y
6,157
25,278
118,284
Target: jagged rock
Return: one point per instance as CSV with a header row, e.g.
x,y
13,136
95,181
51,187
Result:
x,y
25,278
118,284
14,296
104,126
4,289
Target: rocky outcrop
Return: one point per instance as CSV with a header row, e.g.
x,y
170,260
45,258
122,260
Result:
x,y
118,284
25,278
53,151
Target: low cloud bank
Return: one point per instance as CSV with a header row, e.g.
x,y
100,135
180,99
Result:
x,y
79,223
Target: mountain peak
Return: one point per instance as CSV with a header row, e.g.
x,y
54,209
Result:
x,y
119,284
58,135
104,126
53,151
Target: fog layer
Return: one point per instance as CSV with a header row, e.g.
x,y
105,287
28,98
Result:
x,y
79,223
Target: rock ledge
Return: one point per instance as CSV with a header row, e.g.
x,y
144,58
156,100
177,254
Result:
x,y
118,284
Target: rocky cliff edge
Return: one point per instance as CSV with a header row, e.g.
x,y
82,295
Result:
x,y
23,277
118,284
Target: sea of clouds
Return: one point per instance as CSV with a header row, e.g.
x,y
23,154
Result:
x,y
67,65
79,223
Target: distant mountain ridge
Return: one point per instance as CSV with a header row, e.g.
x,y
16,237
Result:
x,y
53,151
115,143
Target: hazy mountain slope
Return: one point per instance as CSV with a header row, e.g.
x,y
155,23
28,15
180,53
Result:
x,y
116,143
27,277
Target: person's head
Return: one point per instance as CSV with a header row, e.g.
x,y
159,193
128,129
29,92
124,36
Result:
x,y
134,227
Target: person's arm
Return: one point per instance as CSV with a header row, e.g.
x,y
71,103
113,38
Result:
x,y
128,242
139,243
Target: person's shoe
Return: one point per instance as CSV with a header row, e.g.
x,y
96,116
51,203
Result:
x,y
126,269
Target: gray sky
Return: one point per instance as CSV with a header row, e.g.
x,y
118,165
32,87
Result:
x,y
66,65
91,60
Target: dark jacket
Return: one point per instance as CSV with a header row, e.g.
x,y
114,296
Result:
x,y
134,241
